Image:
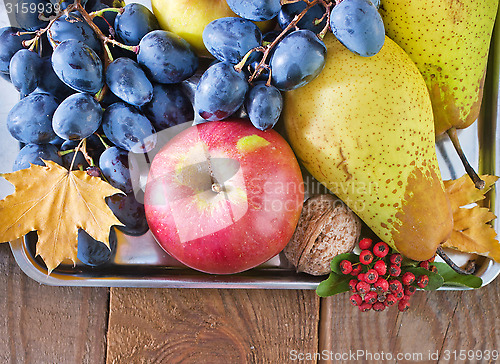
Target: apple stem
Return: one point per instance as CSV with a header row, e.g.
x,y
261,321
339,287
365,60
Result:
x,y
216,187
478,182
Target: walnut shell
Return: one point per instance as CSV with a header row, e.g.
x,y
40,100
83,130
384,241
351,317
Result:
x,y
326,228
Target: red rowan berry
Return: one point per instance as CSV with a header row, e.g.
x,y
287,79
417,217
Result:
x,y
345,267
394,270
410,290
371,276
399,294
396,259
380,267
395,286
363,287
382,284
408,278
381,249
366,257
365,306
356,299
390,300
423,281
356,270
424,264
378,306
365,244
403,305
371,297
352,284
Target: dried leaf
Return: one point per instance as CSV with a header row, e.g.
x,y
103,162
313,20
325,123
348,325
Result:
x,y
56,203
472,232
462,191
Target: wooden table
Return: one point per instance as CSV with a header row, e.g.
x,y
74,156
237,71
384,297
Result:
x,y
42,324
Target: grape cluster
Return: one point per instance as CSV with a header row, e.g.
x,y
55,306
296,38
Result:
x,y
252,68
95,85
378,281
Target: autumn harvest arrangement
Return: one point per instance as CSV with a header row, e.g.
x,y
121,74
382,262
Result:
x,y
351,93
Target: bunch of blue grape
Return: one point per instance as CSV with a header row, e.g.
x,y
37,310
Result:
x,y
87,103
253,69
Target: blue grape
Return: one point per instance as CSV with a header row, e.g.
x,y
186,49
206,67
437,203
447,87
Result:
x,y
358,25
263,105
28,13
25,67
258,10
168,107
67,159
166,57
51,83
30,120
34,153
10,43
220,92
78,66
134,23
128,81
297,60
77,117
130,212
128,129
229,39
114,166
94,253
74,27
308,21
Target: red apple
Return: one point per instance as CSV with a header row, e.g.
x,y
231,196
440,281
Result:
x,y
223,197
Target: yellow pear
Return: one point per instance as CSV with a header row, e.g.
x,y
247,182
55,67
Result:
x,y
449,43
364,129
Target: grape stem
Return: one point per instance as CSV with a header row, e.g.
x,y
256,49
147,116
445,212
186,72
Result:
x,y
102,141
101,12
104,39
80,147
266,50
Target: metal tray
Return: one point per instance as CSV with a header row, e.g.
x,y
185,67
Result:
x,y
140,262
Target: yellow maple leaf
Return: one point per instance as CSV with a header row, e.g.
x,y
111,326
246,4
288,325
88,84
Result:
x,y
56,203
472,232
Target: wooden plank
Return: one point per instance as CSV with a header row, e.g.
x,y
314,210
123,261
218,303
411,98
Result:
x,y
43,324
211,326
435,322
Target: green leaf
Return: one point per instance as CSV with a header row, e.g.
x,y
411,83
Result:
x,y
435,279
334,264
453,278
409,263
335,283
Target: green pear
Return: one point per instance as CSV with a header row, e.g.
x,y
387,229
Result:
x,y
364,128
449,43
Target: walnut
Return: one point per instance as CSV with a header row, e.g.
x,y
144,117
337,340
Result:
x,y
326,228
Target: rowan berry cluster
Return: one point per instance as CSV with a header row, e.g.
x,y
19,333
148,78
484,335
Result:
x,y
377,280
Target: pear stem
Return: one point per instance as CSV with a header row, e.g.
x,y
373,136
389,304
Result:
x,y
478,182
469,269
